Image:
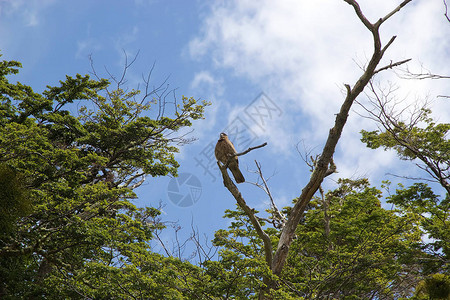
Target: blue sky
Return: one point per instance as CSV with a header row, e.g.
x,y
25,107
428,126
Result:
x,y
297,53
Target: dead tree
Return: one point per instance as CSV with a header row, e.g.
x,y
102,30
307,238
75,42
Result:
x,y
324,166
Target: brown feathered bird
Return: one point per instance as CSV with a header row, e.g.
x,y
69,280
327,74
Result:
x,y
223,148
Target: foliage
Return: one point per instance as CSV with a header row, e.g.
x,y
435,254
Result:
x,y
67,183
433,216
434,287
242,266
430,140
422,140
426,142
14,200
347,246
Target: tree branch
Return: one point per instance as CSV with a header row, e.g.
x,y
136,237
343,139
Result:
x,y
360,14
393,11
446,11
277,215
392,65
228,183
251,149
325,160
230,156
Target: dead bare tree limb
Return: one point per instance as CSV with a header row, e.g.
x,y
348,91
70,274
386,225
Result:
x,y
446,11
230,156
324,166
229,184
392,65
278,216
325,159
406,73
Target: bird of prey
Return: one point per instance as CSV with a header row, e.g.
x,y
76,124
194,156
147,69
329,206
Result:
x,y
223,148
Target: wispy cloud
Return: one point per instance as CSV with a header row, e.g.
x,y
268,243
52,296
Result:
x,y
304,51
211,88
207,83
30,11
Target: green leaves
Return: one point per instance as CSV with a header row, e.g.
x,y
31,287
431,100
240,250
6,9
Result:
x,y
347,246
359,254
15,201
78,88
412,142
67,178
426,142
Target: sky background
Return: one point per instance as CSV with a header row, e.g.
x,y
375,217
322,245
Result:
x,y
274,71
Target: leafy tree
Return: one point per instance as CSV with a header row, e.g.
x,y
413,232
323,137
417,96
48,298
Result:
x,y
434,287
241,267
432,214
73,231
346,247
350,247
14,200
420,139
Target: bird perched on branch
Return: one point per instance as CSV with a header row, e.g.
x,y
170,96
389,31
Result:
x,y
224,147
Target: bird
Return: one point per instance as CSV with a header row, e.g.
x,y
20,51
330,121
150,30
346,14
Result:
x,y
224,147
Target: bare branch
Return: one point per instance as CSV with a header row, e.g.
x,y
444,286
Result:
x,y
204,251
228,183
446,11
126,67
393,11
360,14
138,184
250,149
324,164
276,212
407,74
392,65
388,44
308,161
410,178
230,156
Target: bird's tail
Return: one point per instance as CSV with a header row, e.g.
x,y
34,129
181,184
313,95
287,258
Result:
x,y
237,175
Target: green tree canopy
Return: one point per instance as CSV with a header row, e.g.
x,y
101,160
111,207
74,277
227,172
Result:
x,y
425,142
346,246
67,177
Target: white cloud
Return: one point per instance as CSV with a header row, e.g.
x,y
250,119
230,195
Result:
x,y
208,84
29,11
304,51
211,88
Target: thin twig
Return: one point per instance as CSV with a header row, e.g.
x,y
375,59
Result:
x,y
392,65
249,149
230,156
446,11
280,216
